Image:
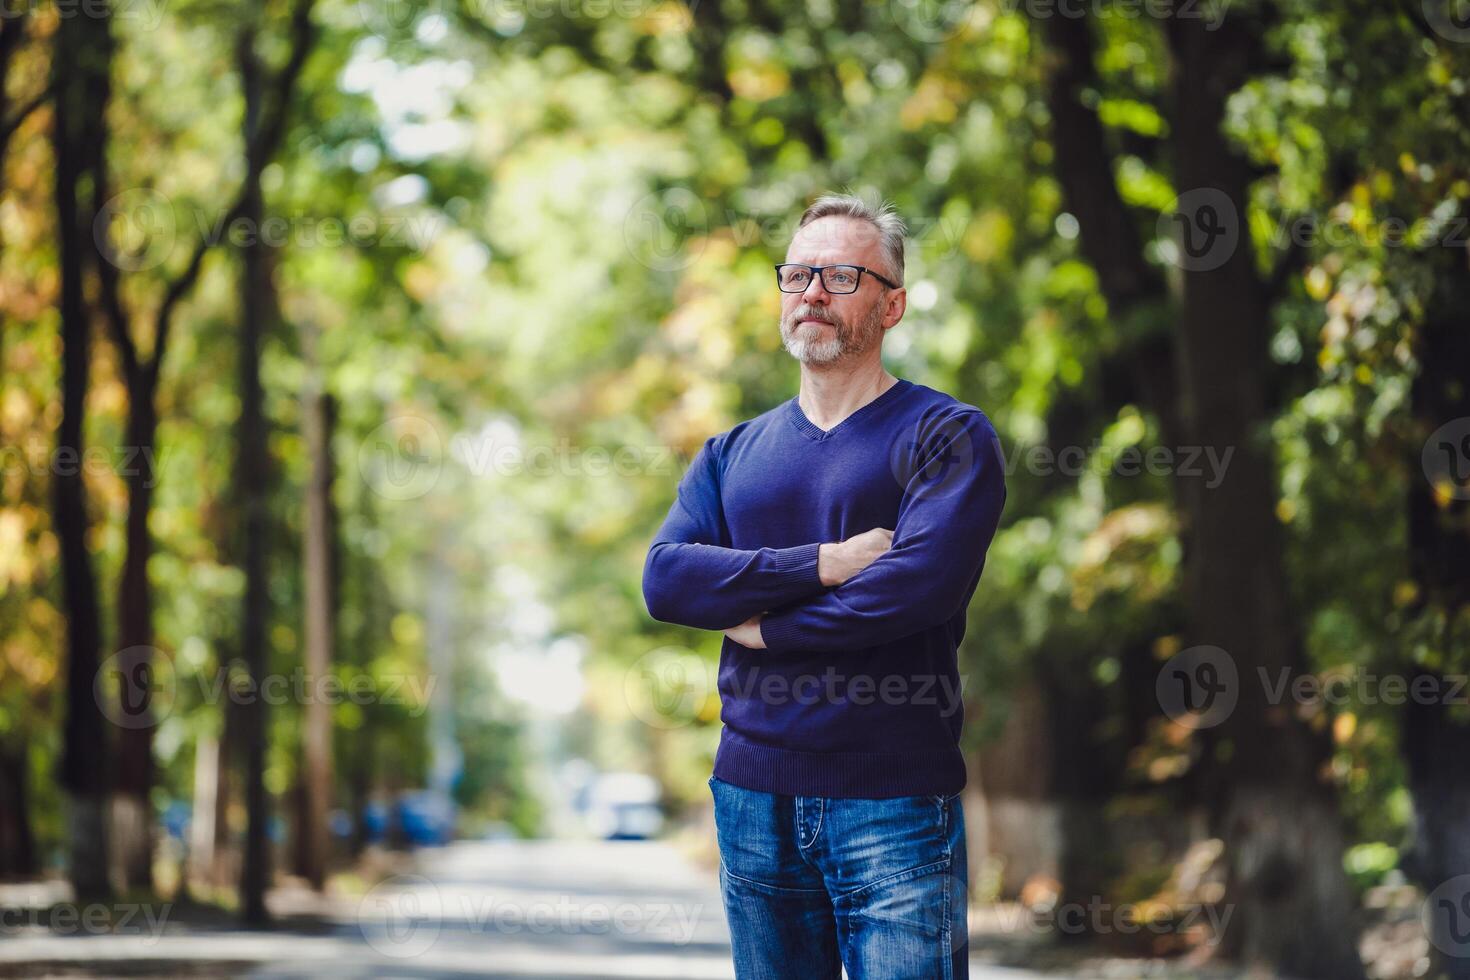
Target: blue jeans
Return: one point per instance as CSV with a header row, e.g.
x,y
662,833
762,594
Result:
x,y
813,884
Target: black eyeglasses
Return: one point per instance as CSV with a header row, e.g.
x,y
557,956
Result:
x,y
794,277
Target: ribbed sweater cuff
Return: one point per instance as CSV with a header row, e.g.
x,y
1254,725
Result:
x,y
780,633
797,565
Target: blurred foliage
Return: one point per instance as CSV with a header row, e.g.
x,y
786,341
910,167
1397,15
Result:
x,y
540,246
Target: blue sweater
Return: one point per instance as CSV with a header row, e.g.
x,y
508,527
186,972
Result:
x,y
857,693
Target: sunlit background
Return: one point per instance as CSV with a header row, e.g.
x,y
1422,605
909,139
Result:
x,y
388,328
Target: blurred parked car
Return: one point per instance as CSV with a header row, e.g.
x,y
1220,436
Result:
x,y
425,818
623,805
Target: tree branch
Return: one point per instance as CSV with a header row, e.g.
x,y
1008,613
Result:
x,y
14,23
262,147
8,128
258,152
11,38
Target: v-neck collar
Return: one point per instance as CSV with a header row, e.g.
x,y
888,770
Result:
x,y
809,428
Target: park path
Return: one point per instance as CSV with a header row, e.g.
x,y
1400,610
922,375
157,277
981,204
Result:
x,y
564,909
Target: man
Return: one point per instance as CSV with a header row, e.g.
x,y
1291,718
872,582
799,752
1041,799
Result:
x,y
836,541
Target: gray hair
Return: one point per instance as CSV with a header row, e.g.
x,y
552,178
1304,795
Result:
x,y
881,215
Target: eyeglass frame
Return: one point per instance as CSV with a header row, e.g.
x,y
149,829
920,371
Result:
x,y
818,275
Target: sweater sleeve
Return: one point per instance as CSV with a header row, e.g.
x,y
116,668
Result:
x,y
954,490
692,578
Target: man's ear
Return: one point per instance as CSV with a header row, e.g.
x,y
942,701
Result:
x,y
900,301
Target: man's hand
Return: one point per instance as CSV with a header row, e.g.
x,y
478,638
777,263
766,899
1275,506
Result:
x,y
748,633
836,563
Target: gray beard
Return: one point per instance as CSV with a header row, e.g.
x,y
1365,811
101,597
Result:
x,y
845,342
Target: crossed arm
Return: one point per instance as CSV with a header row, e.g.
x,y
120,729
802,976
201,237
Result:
x,y
776,599
690,578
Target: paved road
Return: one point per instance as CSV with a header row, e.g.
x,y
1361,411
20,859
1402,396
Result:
x,y
570,910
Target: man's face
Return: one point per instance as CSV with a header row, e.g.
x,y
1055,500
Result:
x,y
818,327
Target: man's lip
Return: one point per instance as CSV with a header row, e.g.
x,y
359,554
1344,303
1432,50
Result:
x,y
810,320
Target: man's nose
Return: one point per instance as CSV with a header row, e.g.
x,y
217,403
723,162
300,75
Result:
x,y
821,290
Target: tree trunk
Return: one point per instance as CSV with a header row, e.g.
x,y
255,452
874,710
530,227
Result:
x,y
1139,371
202,819
17,845
224,871
252,485
376,605
1435,748
1434,743
1083,780
1022,823
263,128
132,808
1293,906
321,608
83,59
